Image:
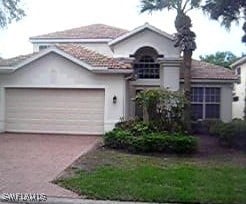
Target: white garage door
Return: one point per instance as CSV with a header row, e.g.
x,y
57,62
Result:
x,y
76,111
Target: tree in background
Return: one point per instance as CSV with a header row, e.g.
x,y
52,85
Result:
x,y
185,38
228,11
224,59
10,10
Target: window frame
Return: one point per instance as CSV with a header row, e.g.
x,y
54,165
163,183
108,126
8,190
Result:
x,y
214,99
147,66
42,47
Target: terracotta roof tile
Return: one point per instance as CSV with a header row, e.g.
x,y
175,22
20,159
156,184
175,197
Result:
x,y
15,60
88,56
204,70
91,57
94,31
200,70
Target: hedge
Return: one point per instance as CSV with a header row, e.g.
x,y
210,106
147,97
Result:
x,y
151,142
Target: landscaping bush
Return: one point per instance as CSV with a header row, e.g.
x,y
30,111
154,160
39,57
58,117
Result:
x,y
231,134
163,108
151,142
205,127
117,138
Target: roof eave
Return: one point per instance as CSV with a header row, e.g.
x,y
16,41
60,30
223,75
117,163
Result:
x,y
43,53
112,71
69,40
238,62
197,80
6,69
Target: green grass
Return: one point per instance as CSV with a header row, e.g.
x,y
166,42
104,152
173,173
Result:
x,y
153,179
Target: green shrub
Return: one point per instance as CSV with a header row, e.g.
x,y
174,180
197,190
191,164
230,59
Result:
x,y
117,138
231,134
152,142
136,127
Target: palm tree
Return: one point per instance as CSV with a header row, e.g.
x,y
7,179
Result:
x,y
185,38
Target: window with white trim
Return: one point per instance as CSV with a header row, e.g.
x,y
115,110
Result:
x,y
147,68
42,47
205,103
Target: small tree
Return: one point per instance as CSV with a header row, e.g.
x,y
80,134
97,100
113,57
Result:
x,y
147,99
162,107
224,59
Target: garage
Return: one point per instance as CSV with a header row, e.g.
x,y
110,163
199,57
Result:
x,y
41,110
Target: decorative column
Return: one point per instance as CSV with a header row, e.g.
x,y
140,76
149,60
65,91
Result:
x,y
2,109
170,74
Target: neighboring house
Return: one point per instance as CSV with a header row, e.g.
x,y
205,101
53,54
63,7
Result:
x,y
83,80
239,102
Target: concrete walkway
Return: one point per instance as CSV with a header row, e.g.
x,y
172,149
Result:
x,y
56,200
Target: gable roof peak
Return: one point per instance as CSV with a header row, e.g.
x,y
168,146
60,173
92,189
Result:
x,y
139,29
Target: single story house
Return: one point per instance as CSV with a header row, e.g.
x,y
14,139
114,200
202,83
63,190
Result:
x,y
82,80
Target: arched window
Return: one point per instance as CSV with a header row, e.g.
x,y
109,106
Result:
x,y
146,65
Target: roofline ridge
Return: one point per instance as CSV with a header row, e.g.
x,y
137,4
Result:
x,y
79,27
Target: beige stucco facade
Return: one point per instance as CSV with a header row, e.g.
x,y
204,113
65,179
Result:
x,y
54,71
58,71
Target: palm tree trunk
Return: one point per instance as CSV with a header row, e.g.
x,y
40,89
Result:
x,y
145,115
187,87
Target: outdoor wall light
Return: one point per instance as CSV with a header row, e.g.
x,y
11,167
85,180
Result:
x,y
114,99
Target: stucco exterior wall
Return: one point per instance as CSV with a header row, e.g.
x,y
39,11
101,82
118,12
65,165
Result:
x,y
226,103
54,71
146,38
240,91
2,112
169,77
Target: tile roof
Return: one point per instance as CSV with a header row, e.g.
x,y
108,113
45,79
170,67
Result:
x,y
91,57
204,70
76,50
15,60
94,31
200,70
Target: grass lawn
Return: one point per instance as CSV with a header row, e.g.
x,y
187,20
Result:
x,y
106,174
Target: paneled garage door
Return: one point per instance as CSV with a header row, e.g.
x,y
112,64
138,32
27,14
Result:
x,y
75,111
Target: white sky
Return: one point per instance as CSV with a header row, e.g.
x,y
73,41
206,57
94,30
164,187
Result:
x,y
44,16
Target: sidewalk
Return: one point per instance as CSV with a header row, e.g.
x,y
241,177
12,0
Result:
x,y
59,200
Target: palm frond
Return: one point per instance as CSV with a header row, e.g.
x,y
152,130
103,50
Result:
x,y
155,5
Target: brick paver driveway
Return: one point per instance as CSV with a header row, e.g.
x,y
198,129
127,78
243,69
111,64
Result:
x,y
28,162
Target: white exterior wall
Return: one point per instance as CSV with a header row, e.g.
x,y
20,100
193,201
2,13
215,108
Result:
x,y
144,38
102,48
53,71
240,91
2,112
170,76
226,103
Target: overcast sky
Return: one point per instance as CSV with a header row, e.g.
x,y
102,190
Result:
x,y
44,16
